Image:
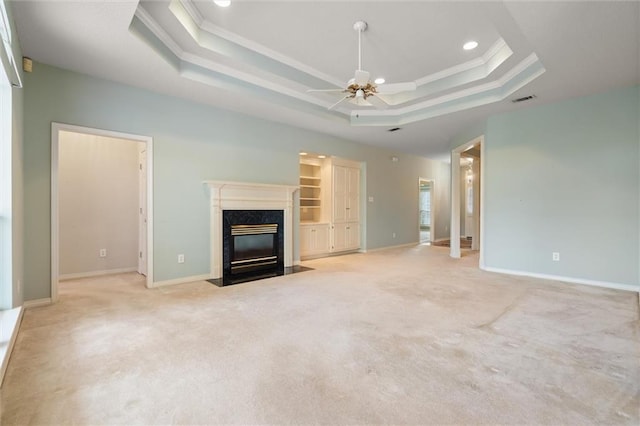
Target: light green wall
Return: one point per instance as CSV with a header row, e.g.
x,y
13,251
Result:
x,y
193,143
565,178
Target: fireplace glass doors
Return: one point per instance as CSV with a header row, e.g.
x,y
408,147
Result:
x,y
252,244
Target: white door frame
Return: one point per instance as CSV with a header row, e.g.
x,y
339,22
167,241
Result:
x,y
432,216
55,220
142,210
455,198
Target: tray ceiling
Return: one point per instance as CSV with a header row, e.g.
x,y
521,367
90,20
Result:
x,y
262,57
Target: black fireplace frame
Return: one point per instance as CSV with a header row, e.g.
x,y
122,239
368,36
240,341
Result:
x,y
232,275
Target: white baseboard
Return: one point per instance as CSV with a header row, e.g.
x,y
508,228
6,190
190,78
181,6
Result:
x,y
9,325
594,283
36,303
89,274
413,244
180,280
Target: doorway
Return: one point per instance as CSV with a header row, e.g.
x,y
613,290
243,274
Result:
x,y
101,203
425,211
467,194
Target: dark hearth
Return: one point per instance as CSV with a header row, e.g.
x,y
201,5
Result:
x,y
287,271
252,244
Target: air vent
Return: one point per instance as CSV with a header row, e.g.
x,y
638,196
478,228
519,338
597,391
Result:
x,y
395,129
524,98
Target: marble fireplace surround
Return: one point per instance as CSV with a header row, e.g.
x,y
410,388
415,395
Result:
x,y
225,195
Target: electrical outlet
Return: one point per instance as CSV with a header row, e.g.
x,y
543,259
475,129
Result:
x,y
103,252
371,199
555,256
393,235
181,258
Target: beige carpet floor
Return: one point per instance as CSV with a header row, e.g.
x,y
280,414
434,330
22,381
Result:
x,y
403,336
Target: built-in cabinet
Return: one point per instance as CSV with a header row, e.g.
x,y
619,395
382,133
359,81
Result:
x,y
314,239
329,206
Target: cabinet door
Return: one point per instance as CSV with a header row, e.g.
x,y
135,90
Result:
x,y
339,237
340,193
352,202
321,238
305,240
345,236
353,235
314,239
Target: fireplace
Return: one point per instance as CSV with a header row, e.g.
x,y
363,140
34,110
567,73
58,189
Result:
x,y
253,244
258,197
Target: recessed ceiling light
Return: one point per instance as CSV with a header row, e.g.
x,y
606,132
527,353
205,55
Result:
x,y
322,156
303,153
222,3
470,45
379,80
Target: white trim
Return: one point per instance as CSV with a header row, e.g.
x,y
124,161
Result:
x,y
499,83
202,33
225,195
205,26
454,243
56,128
155,28
582,281
499,46
9,325
454,226
64,277
413,244
182,280
483,167
37,303
432,216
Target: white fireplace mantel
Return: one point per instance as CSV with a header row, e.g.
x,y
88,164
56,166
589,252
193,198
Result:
x,y
247,196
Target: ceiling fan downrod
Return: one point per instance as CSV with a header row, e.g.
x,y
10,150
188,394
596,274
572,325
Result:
x,y
360,26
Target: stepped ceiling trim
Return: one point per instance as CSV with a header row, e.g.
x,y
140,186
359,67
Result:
x,y
222,59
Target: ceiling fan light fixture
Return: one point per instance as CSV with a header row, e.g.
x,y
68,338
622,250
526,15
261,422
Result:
x,y
470,45
222,3
379,80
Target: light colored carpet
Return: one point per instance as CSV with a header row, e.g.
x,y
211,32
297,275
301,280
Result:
x,y
399,336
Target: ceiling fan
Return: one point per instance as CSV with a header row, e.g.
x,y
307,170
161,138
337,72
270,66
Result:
x,y
360,89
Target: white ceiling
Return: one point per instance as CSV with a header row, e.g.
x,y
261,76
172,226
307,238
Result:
x,y
261,57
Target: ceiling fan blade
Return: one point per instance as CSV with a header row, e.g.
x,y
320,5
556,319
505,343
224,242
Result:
x,y
393,88
339,102
325,90
377,102
361,78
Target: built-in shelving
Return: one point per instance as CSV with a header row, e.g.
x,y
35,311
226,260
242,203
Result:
x,y
310,192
